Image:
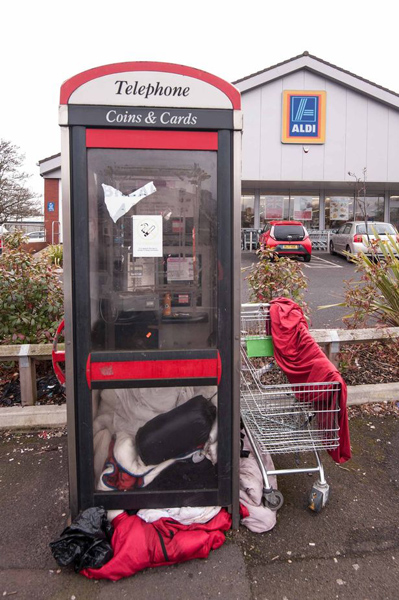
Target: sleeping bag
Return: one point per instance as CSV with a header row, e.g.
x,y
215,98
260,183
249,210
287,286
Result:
x,y
176,432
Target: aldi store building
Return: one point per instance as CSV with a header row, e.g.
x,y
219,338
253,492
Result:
x,y
313,135
319,145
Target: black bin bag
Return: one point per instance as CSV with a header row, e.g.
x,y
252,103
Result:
x,y
177,432
86,542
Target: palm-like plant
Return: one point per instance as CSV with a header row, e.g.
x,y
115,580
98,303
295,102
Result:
x,y
376,295
385,277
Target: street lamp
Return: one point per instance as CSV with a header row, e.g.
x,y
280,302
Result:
x,y
357,194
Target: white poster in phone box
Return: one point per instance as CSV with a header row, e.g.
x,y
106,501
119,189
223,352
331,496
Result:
x,y
147,235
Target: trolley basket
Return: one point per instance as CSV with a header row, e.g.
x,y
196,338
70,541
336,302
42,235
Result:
x,y
286,418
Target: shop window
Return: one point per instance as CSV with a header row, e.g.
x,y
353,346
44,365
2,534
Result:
x,y
247,211
394,211
273,208
338,210
286,207
373,206
306,209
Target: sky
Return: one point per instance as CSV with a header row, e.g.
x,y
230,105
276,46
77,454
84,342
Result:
x,y
44,43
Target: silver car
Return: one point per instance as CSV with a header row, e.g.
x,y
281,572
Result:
x,y
353,236
36,236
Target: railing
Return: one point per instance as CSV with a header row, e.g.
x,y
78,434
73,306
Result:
x,y
55,232
249,239
26,355
329,339
320,239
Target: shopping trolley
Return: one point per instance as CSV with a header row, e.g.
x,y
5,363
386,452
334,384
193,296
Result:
x,y
286,418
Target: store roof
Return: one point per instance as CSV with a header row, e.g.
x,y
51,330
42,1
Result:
x,y
321,67
58,155
50,167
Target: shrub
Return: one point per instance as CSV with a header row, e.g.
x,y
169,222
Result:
x,y
54,254
31,296
375,297
273,276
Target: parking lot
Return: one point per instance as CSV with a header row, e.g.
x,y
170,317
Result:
x,y
326,275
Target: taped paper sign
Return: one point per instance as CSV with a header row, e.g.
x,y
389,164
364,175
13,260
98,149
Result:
x,y
118,204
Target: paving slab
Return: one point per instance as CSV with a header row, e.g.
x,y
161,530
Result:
x,y
348,551
28,417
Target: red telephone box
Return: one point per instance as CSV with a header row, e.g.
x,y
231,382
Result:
x,y
151,204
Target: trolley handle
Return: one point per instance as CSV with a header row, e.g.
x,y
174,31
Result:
x,y
256,305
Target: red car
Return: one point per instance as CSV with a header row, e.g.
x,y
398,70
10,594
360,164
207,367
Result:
x,y
287,238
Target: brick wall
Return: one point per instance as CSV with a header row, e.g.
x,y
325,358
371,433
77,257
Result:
x,y
51,201
35,246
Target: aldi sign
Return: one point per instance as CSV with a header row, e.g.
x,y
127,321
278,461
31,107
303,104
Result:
x,y
304,117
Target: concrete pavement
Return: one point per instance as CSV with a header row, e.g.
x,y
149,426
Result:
x,y
349,551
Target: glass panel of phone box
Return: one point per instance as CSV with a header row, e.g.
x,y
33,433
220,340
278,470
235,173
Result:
x,y
153,285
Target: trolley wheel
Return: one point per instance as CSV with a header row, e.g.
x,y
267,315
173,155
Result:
x,y
319,497
273,499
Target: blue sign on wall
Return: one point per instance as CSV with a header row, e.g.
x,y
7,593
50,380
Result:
x,y
303,117
50,206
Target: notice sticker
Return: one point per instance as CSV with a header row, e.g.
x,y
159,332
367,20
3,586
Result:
x,y
180,269
147,235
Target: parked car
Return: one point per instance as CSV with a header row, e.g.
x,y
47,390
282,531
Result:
x,y
352,237
287,238
36,236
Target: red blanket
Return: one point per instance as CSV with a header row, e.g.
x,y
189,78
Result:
x,y
303,361
138,545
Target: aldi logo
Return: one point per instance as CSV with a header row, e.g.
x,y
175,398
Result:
x,y
304,117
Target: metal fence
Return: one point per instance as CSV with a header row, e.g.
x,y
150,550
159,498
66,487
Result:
x,y
320,239
249,239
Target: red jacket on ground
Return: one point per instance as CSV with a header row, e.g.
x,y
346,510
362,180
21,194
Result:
x,y
138,545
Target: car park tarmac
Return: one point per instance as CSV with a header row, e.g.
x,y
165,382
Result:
x,y
349,550
326,275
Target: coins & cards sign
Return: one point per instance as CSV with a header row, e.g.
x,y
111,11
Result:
x,y
304,117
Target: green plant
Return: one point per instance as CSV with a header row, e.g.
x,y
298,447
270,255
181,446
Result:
x,y
273,276
376,296
14,240
31,296
54,254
